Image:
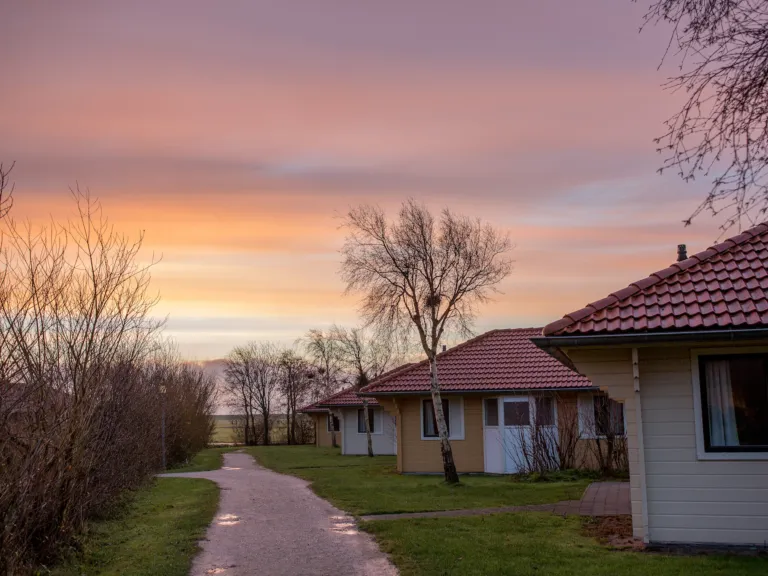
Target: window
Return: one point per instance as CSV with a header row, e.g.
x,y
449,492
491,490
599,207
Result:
x,y
335,420
361,420
608,416
545,411
734,402
517,413
491,411
429,421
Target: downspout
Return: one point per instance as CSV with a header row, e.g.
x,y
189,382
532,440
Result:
x,y
640,443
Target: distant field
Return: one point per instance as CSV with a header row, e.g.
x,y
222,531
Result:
x,y
224,429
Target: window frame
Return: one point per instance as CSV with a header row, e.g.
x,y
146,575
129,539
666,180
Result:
x,y
485,412
553,400
608,399
587,427
701,423
336,420
371,419
452,433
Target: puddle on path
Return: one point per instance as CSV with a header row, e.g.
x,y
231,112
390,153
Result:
x,y
230,468
343,525
219,569
227,520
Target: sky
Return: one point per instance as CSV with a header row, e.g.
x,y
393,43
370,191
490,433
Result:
x,y
235,134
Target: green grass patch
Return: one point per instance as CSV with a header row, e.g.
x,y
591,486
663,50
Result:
x,y
529,544
155,534
363,485
206,459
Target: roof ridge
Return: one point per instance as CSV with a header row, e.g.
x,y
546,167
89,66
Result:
x,y
461,345
655,278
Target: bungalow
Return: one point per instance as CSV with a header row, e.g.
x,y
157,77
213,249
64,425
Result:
x,y
496,389
325,424
686,352
346,412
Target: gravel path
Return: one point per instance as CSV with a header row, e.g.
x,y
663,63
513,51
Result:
x,y
272,524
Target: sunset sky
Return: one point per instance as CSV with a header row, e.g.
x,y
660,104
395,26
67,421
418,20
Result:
x,y
234,133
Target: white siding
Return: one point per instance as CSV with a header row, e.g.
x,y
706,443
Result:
x,y
356,443
692,500
689,500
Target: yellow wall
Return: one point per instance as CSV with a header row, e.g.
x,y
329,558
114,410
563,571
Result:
x,y
322,436
417,455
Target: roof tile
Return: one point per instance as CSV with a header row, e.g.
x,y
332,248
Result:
x,y
723,286
500,360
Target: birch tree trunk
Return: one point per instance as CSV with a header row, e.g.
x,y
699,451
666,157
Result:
x,y
449,467
367,428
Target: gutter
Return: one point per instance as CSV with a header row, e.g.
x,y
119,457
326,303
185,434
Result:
x,y
545,342
488,391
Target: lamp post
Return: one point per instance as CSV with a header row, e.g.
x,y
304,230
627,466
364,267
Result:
x,y
162,422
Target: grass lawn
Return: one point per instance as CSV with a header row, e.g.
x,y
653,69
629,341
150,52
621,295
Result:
x,y
363,485
156,535
531,544
207,459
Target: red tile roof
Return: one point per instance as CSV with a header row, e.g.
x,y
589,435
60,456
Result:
x,y
500,360
724,286
347,397
313,409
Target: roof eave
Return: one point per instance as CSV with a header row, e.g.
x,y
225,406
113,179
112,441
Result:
x,y
484,391
550,343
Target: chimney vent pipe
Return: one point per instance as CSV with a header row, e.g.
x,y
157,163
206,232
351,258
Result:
x,y
682,253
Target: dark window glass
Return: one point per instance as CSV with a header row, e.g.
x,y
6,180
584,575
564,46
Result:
x,y
491,411
734,392
545,411
428,418
517,413
609,416
335,420
361,420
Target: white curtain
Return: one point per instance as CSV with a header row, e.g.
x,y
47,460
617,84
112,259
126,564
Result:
x,y
722,414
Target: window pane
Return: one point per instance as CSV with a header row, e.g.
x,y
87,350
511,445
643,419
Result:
x,y
609,416
428,417
491,411
545,411
332,421
517,413
371,420
735,394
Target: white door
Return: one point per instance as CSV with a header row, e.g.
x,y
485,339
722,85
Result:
x,y
492,437
516,416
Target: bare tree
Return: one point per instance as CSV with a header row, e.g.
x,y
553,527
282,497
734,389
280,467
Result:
x,y
251,381
297,377
722,127
6,189
325,352
83,380
424,275
608,446
366,356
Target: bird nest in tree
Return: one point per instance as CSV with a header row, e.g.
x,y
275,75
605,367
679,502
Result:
x,y
433,301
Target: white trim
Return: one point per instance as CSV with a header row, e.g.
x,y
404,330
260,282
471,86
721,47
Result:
x,y
701,451
452,435
640,442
